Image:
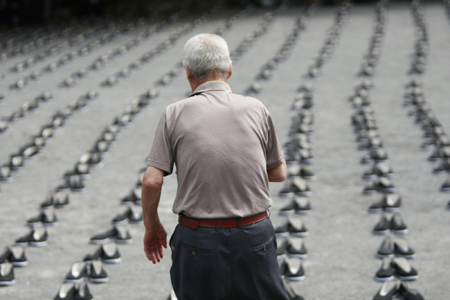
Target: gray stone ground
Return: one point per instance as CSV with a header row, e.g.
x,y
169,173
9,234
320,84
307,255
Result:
x,y
341,264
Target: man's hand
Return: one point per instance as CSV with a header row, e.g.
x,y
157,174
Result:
x,y
154,240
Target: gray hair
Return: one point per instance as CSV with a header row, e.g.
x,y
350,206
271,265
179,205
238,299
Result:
x,y
207,56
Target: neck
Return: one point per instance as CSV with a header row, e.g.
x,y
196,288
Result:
x,y
195,84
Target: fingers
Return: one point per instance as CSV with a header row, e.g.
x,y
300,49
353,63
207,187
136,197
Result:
x,y
150,256
154,253
157,255
161,252
148,249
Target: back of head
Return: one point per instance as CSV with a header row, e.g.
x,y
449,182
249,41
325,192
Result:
x,y
207,57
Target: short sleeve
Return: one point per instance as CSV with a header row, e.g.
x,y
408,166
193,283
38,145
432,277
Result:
x,y
274,152
161,154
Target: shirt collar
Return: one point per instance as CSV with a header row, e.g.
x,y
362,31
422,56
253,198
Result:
x,y
214,85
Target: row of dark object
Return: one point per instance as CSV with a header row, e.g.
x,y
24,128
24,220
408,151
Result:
x,y
38,141
331,40
31,148
283,52
103,39
291,250
126,72
371,58
100,62
435,137
421,46
299,149
147,57
363,119
291,269
236,54
22,44
73,181
30,106
262,29
101,33
108,252
295,252
395,252
27,107
22,41
91,267
111,34
15,256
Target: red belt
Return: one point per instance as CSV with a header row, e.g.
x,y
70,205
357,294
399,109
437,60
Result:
x,y
224,223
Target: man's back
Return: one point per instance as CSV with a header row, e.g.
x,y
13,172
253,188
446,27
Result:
x,y
226,151
222,144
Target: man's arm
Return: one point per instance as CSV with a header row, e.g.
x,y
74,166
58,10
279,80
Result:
x,y
155,235
278,173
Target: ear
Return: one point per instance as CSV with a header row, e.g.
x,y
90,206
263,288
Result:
x,y
231,70
188,73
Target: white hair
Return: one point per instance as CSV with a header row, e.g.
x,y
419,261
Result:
x,y
207,56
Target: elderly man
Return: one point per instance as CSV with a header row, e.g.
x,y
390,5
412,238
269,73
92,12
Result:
x,y
226,151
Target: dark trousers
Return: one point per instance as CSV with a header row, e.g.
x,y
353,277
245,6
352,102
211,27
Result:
x,y
226,263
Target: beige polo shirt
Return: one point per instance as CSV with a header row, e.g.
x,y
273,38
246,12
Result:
x,y
222,145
